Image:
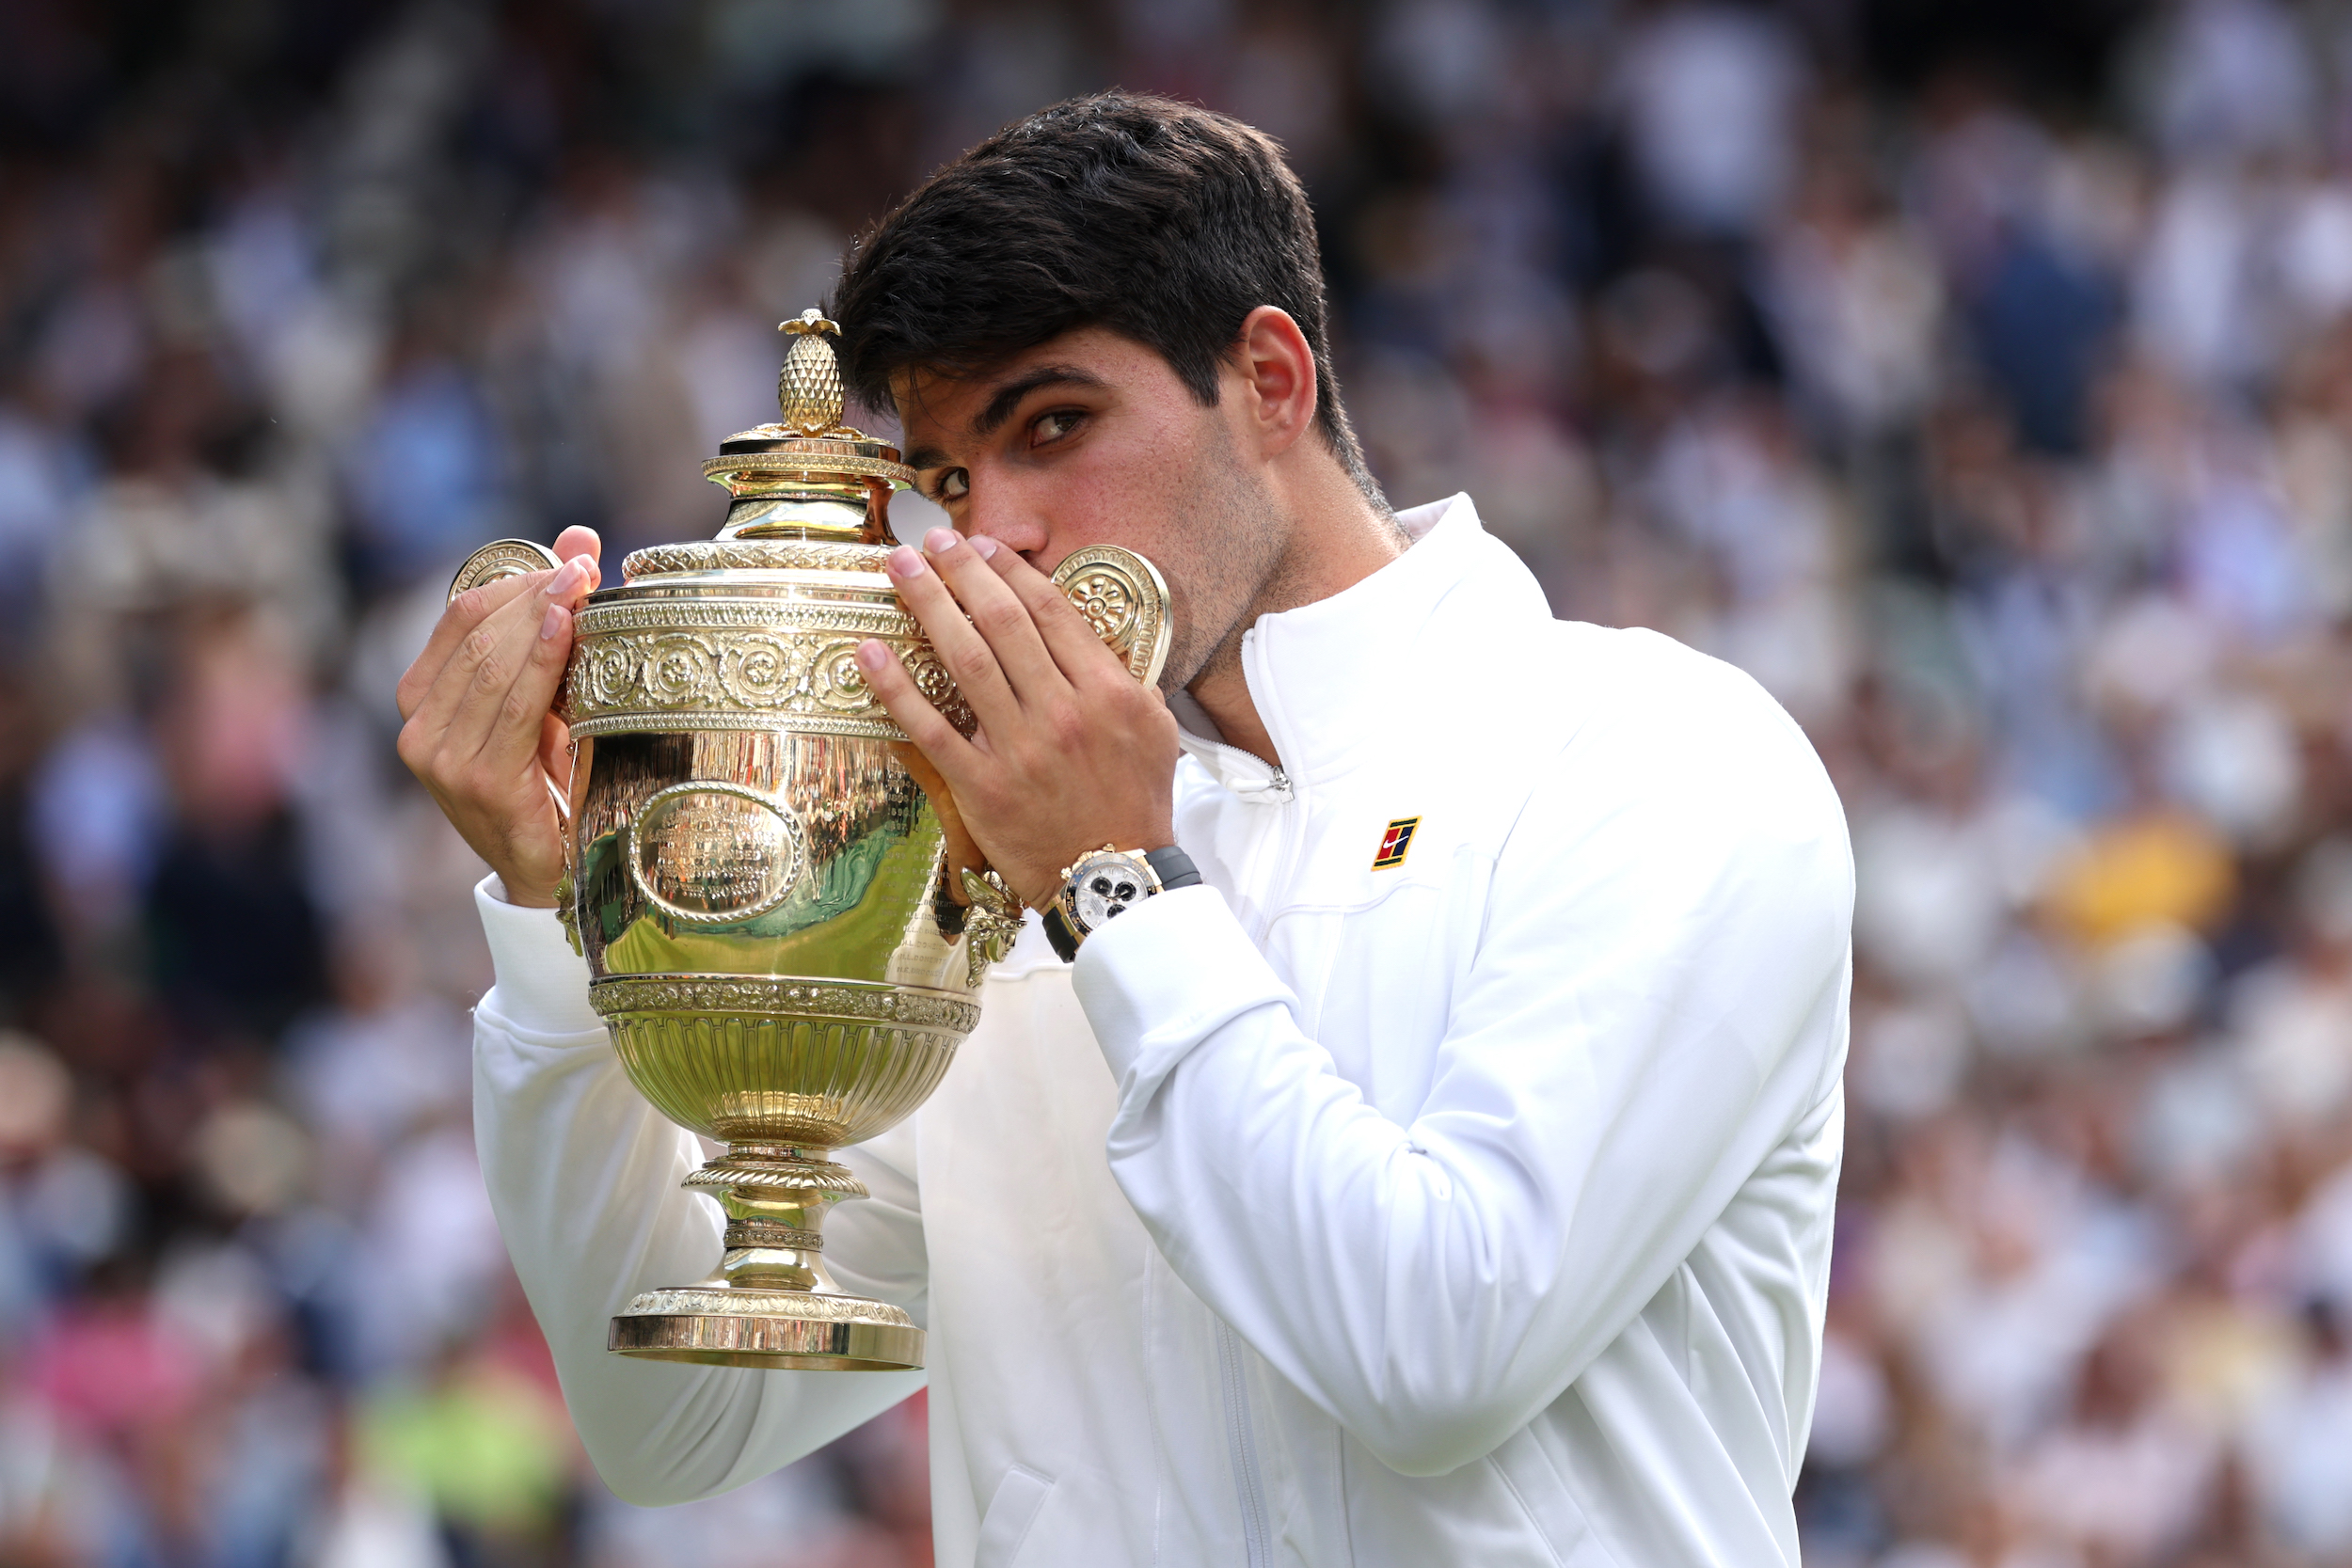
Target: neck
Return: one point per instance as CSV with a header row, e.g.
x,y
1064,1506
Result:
x,y
1334,539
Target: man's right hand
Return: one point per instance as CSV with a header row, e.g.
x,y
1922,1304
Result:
x,y
480,731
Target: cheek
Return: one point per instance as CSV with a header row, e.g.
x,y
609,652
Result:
x,y
1132,494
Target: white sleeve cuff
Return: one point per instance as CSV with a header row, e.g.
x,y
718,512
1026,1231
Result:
x,y
1164,976
542,986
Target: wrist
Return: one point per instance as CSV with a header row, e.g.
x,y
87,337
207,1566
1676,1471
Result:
x,y
1107,883
1056,873
524,895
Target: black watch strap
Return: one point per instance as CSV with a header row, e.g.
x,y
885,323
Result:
x,y
1174,867
1058,932
1171,865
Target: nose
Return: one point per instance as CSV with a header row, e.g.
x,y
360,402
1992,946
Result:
x,y
1004,519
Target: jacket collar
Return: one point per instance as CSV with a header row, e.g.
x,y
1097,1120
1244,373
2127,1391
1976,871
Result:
x,y
1327,676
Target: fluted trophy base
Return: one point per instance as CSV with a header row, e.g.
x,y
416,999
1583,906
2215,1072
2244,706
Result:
x,y
778,1330
771,1304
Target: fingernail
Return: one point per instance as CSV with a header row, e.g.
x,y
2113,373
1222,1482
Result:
x,y
983,546
904,562
940,541
567,580
871,657
551,623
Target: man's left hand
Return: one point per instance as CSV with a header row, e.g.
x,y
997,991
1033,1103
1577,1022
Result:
x,y
1072,752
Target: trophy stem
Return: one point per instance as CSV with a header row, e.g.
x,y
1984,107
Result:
x,y
772,1302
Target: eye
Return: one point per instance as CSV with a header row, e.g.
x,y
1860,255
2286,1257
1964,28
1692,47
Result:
x,y
952,485
1055,425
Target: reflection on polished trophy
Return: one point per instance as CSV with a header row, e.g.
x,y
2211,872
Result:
x,y
760,885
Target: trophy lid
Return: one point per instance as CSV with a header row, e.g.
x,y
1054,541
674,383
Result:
x,y
807,449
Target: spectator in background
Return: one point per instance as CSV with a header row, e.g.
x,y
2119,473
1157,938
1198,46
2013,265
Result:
x,y
1985,393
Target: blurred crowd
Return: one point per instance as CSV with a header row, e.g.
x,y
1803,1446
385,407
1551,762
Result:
x,y
1987,396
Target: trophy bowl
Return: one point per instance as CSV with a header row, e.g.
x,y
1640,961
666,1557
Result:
x,y
758,878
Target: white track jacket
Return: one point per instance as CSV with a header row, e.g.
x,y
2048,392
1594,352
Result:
x,y
1470,1210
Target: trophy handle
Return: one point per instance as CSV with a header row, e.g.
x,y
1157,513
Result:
x,y
1124,598
567,885
500,559
495,561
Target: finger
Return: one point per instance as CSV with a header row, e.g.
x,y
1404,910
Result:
x,y
464,612
518,724
997,614
1077,650
579,540
463,704
963,650
500,723
932,736
470,609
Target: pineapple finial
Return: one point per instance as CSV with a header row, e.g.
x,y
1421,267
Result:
x,y
808,392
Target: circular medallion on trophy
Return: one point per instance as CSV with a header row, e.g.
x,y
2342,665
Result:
x,y
1124,600
501,558
712,854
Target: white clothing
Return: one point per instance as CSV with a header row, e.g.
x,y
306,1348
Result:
x,y
1475,1210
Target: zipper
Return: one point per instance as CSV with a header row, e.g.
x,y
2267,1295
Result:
x,y
1240,1435
1237,765
1242,1438
1276,785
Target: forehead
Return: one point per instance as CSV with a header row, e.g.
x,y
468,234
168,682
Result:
x,y
939,408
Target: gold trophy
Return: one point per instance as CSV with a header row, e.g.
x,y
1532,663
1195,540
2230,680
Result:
x,y
758,882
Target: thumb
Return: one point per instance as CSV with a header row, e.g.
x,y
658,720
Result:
x,y
577,540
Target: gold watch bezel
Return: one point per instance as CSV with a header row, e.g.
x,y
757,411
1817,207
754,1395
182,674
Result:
x,y
1066,899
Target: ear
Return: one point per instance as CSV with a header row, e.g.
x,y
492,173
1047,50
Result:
x,y
1277,374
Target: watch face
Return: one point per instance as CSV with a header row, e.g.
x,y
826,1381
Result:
x,y
1105,886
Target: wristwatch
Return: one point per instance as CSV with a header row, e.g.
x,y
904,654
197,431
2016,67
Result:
x,y
1106,884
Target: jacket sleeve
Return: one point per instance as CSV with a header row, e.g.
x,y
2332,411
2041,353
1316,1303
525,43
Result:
x,y
583,1175
1656,999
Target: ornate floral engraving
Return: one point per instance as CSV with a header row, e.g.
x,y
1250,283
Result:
x,y
499,559
738,471
806,1305
767,1233
991,924
603,674
752,994
1104,599
759,670
679,672
1123,599
647,679
807,1175
703,666
834,679
874,617
753,555
641,721
938,687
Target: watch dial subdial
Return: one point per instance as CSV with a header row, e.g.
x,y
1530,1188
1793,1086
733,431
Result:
x,y
1106,890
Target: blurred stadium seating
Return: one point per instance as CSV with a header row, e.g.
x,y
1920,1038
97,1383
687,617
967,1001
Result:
x,y
1978,377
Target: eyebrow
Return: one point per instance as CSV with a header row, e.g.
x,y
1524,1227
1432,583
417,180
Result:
x,y
1008,398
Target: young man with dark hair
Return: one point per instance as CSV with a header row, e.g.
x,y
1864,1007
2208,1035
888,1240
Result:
x,y
1448,1177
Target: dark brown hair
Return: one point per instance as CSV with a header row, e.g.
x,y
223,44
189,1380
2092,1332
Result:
x,y
1161,221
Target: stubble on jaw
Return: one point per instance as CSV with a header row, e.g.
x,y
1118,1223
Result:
x,y
1227,552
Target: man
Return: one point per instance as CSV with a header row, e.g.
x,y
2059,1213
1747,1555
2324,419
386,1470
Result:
x,y
1448,1177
